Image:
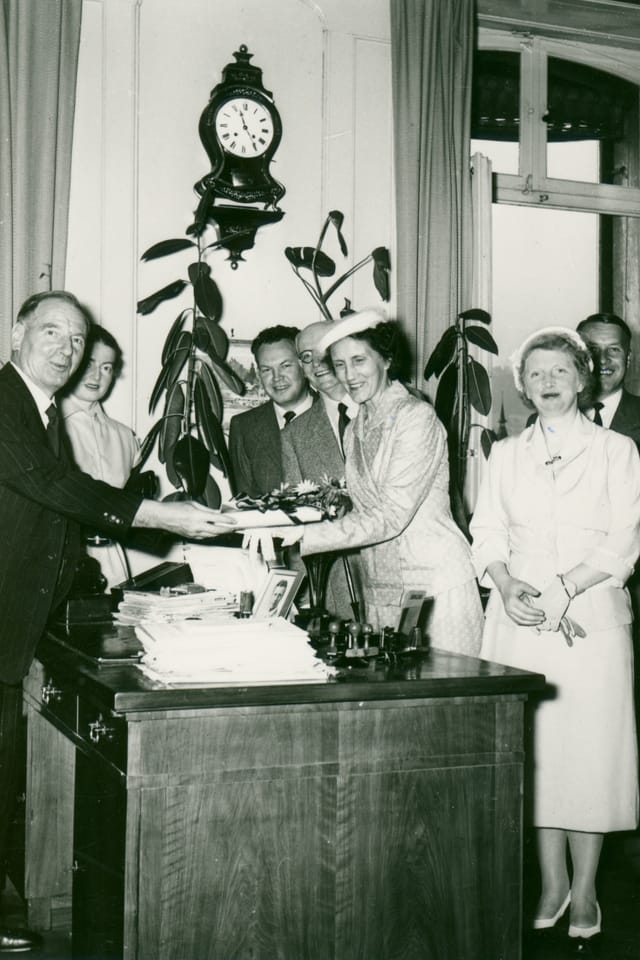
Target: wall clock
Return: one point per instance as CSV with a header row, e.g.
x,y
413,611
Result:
x,y
240,129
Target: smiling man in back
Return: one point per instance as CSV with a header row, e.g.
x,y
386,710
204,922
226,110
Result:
x,y
254,436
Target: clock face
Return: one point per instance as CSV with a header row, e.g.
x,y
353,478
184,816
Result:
x,y
244,127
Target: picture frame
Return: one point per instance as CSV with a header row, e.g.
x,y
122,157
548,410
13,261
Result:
x,y
277,594
415,612
243,364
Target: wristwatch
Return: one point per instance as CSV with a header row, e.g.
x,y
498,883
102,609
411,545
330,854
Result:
x,y
570,588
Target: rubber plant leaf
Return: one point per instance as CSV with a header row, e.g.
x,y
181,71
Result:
x,y
176,496
209,429
212,495
446,395
165,247
148,304
205,290
226,374
311,259
209,334
174,332
475,313
191,463
147,446
481,338
443,353
487,439
337,219
381,270
172,368
210,384
479,386
171,422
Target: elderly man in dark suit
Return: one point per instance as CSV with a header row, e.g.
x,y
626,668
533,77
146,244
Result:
x,y
312,444
43,500
609,340
254,436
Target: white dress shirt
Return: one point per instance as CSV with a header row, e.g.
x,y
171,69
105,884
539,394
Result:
x,y
41,399
609,406
300,408
331,408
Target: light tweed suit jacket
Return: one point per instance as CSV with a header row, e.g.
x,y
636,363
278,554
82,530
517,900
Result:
x,y
311,451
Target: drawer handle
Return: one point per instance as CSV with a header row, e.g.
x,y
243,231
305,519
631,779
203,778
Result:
x,y
99,730
50,693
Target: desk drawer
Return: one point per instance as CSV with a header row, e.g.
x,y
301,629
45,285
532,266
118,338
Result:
x,y
103,732
57,695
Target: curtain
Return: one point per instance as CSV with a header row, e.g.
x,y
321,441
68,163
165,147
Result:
x,y
39,42
432,58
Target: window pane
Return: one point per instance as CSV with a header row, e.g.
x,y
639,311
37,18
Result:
x,y
596,110
504,156
545,272
574,161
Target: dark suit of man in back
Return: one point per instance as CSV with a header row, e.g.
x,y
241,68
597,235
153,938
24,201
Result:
x,y
254,436
609,340
312,448
43,500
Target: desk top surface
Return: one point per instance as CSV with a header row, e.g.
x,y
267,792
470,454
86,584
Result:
x,y
103,660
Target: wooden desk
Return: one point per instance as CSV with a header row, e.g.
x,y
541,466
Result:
x,y
374,817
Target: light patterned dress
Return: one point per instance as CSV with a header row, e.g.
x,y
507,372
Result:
x,y
541,519
107,450
397,475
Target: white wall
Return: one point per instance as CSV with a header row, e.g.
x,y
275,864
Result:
x,y
145,74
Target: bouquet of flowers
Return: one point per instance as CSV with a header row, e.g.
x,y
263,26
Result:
x,y
291,503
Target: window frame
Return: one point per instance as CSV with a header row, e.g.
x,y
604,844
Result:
x,y
531,186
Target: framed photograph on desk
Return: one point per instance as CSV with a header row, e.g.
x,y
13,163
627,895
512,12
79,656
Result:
x,y
277,594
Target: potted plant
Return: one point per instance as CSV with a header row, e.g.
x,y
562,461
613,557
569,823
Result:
x,y
463,386
312,266
189,431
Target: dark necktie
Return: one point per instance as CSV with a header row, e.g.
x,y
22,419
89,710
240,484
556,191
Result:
x,y
288,417
53,428
597,407
343,420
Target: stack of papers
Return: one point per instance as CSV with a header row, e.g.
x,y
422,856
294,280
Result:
x,y
243,651
169,606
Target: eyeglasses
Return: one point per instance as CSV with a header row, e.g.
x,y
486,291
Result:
x,y
306,357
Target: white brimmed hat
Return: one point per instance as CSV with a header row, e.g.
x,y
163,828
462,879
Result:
x,y
352,323
563,332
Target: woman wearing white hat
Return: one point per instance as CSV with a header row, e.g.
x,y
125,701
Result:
x,y
556,530
397,476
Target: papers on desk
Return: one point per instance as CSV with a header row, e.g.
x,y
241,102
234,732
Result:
x,y
167,606
243,651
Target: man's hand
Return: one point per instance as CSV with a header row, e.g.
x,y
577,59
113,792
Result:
x,y
185,518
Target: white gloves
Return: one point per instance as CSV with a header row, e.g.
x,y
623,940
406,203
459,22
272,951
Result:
x,y
260,539
554,601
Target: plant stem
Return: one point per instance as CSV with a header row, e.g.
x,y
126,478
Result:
x,y
345,276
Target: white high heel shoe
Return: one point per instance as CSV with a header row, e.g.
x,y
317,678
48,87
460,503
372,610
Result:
x,y
586,932
543,923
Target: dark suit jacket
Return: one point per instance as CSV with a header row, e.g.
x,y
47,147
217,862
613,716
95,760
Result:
x,y
626,419
254,447
43,499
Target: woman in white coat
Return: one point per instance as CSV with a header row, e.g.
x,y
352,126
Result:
x,y
102,447
556,530
397,473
